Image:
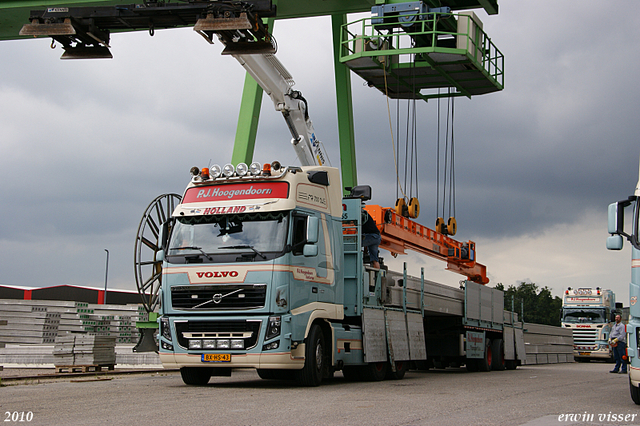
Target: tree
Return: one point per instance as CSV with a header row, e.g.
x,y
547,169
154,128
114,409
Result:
x,y
540,307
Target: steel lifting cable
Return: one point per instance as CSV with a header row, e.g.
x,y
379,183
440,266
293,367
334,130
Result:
x,y
448,172
395,160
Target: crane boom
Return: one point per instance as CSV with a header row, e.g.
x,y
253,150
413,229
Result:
x,y
276,81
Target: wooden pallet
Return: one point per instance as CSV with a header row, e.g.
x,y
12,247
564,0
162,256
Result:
x,y
82,368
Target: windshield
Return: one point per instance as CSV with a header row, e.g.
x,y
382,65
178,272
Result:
x,y
582,315
228,238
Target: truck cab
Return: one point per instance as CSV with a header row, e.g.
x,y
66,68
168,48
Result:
x,y
588,313
250,261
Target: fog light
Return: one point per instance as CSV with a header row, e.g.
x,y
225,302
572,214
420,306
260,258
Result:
x,y
272,345
195,344
255,168
237,344
208,344
223,344
228,170
242,169
167,346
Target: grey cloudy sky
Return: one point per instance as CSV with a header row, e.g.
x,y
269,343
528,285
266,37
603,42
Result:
x,y
86,145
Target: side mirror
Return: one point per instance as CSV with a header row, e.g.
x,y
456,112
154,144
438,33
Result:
x,y
160,256
615,242
163,235
310,250
312,230
616,218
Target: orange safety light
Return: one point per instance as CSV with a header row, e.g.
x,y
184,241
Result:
x,y
204,173
266,169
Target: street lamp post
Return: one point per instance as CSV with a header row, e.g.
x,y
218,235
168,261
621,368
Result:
x,y
106,275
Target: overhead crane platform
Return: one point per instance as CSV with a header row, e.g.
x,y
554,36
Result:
x,y
422,53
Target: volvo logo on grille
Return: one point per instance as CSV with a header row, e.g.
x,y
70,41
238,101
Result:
x,y
217,298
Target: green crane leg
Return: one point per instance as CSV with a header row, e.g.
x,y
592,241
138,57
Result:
x,y
247,129
346,133
245,141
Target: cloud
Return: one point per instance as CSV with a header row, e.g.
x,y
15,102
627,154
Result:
x,y
86,145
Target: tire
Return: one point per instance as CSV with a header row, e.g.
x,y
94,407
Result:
x,y
374,371
276,374
511,364
472,365
635,393
485,363
195,376
497,349
312,372
401,369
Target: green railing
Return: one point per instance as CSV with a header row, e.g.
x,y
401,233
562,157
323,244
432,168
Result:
x,y
421,40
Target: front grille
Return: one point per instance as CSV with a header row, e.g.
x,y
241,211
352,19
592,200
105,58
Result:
x,y
216,297
584,337
231,329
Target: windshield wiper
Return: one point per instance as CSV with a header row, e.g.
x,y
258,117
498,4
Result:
x,y
193,248
243,247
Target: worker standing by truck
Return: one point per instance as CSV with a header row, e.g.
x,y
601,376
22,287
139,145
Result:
x,y
371,238
618,341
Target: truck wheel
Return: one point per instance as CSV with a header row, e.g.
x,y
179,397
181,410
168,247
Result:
x,y
195,376
472,365
511,364
311,373
485,363
401,369
635,393
374,371
497,349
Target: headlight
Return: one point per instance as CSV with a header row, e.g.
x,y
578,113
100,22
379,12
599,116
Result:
x,y
237,344
208,344
224,344
273,328
195,344
165,328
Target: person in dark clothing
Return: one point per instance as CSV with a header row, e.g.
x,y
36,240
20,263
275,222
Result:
x,y
371,238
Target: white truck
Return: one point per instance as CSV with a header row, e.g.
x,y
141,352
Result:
x,y
616,226
588,312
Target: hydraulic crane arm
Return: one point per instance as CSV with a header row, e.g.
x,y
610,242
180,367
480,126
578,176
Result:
x,y
276,81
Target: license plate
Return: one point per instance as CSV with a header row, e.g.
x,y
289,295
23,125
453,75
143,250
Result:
x,y
585,353
216,357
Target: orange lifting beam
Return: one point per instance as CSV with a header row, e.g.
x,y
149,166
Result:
x,y
400,233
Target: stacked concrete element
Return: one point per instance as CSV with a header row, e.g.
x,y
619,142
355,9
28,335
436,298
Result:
x,y
2,323
546,344
84,350
40,321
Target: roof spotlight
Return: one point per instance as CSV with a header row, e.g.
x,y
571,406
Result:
x,y
242,169
215,171
228,170
194,171
255,168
